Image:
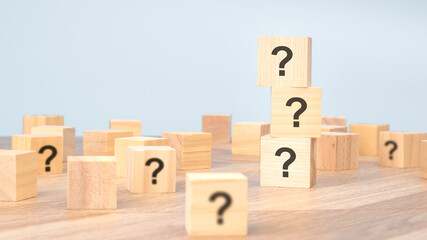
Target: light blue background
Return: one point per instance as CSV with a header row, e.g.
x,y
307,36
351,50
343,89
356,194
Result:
x,y
168,62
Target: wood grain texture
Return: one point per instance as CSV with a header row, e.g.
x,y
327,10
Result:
x,y
423,159
68,137
219,125
333,128
337,121
337,151
101,142
368,137
247,138
131,125
31,121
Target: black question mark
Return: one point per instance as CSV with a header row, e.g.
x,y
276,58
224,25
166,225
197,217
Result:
x,y
285,60
300,111
224,207
393,149
158,169
51,157
288,162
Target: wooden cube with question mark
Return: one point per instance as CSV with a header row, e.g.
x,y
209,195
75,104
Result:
x,y
48,147
333,128
216,204
101,142
31,121
368,137
337,151
336,121
219,125
247,138
68,137
131,125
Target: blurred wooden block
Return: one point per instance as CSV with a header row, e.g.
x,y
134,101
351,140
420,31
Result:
x,y
333,128
48,148
284,61
101,142
92,182
151,169
68,137
193,149
131,125
216,204
31,121
121,145
423,159
288,162
337,121
219,126
247,138
18,175
338,151
368,137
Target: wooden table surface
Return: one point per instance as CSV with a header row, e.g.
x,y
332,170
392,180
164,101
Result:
x,y
371,203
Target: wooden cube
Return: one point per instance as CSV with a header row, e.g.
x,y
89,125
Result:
x,y
337,121
101,142
193,149
219,126
68,137
48,148
337,151
333,128
368,137
288,162
296,112
18,175
216,204
247,138
151,169
92,182
423,159
131,125
121,144
284,61
31,121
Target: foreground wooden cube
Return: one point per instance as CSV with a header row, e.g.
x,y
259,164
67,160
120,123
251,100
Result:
x,y
216,204
423,159
68,137
31,121
337,121
368,137
338,151
92,182
334,128
18,175
131,125
219,125
247,138
101,142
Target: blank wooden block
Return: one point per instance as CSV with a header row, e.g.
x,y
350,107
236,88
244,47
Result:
x,y
18,175
423,159
219,126
151,169
296,112
333,128
338,151
337,121
31,121
288,162
101,142
68,137
131,125
121,144
247,138
206,194
48,148
368,137
92,182
284,61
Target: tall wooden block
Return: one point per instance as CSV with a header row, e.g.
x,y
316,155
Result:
x,y
120,149
101,142
423,159
288,162
92,182
48,148
216,204
151,169
368,137
338,151
68,137
18,175
247,138
337,121
131,125
193,149
284,61
333,128
31,121
219,126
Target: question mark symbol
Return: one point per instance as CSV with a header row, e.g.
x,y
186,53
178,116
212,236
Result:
x,y
51,157
224,207
300,111
393,149
158,169
288,162
285,60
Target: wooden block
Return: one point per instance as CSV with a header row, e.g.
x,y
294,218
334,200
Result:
x,y
31,121
284,61
131,125
92,182
368,137
296,112
247,138
121,144
338,151
18,175
423,159
337,121
193,149
48,148
333,128
216,204
288,162
151,169
219,126
68,137
101,142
